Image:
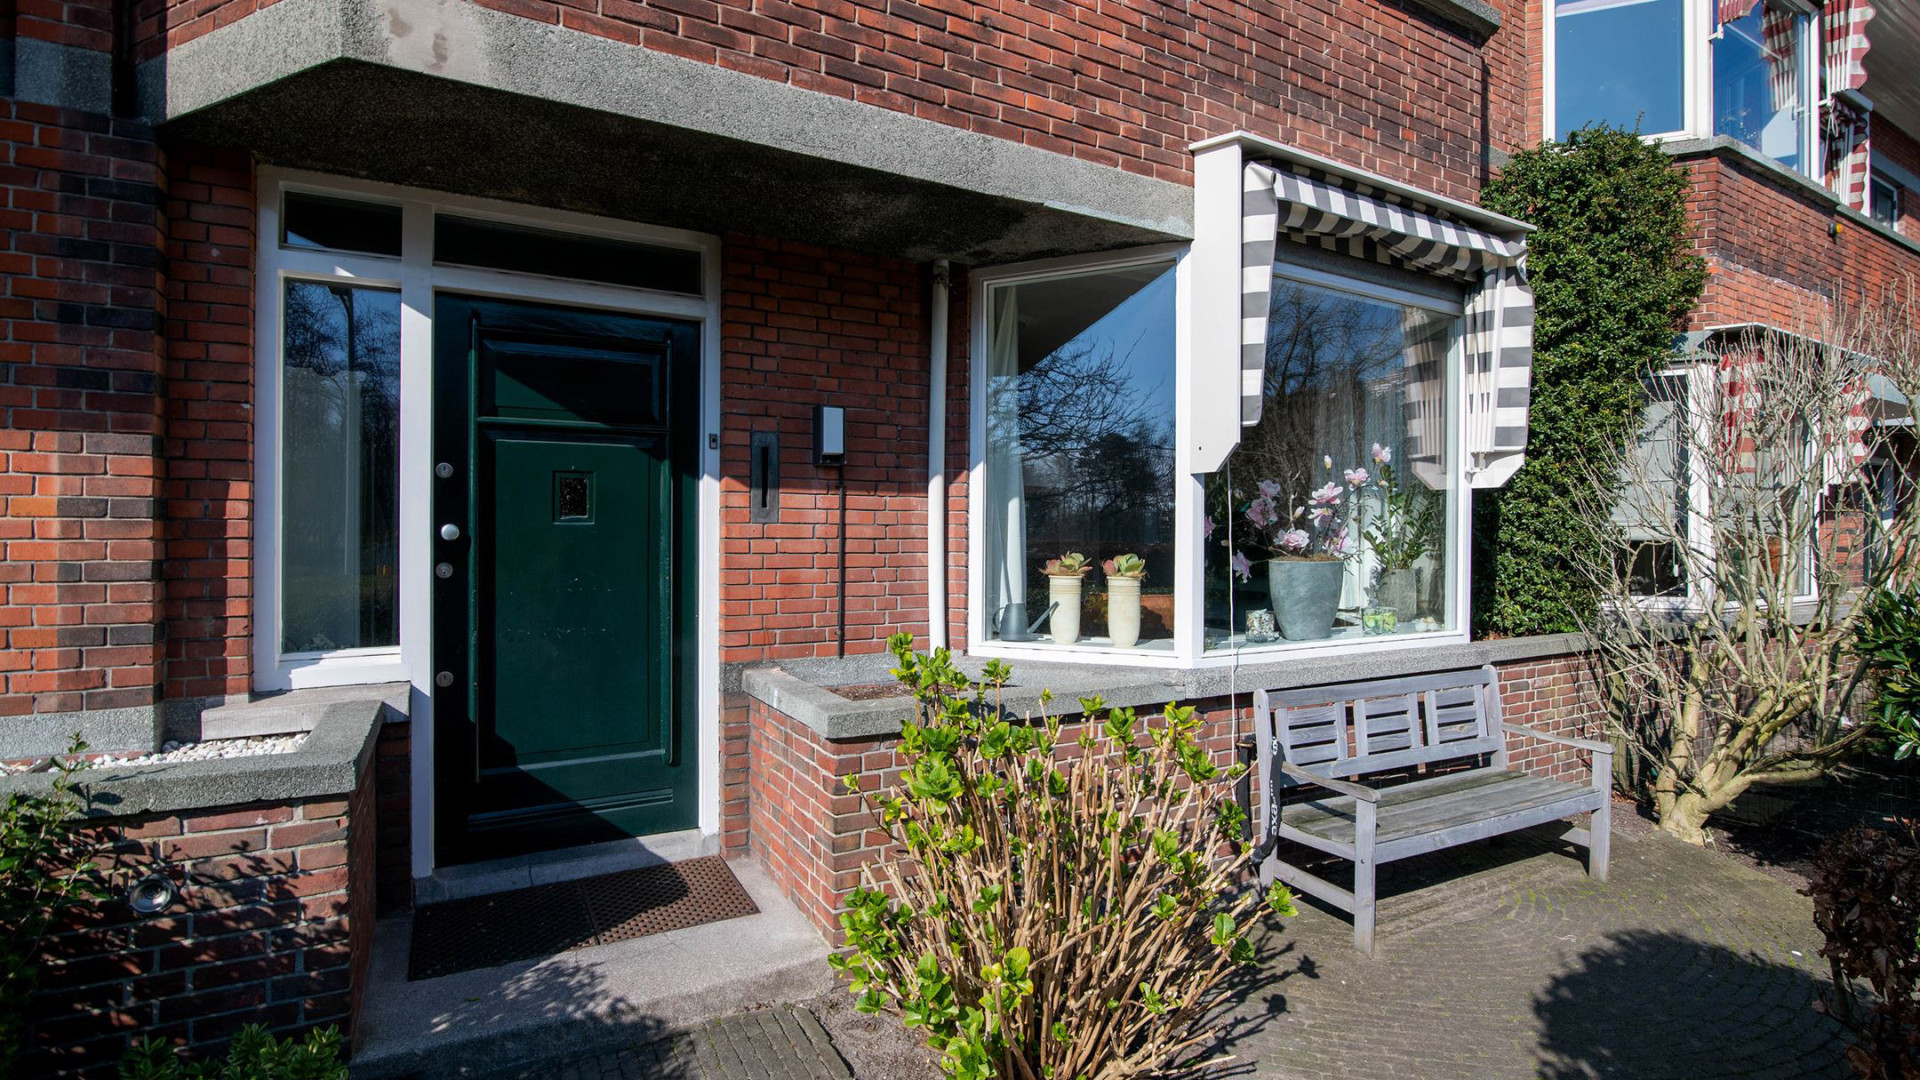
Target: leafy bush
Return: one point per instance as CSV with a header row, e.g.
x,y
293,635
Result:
x,y
1888,643
1053,915
1866,900
46,870
1613,272
254,1055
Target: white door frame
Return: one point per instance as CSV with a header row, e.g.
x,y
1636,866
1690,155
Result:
x,y
417,279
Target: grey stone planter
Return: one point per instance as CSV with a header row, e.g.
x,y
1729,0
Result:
x,y
1306,596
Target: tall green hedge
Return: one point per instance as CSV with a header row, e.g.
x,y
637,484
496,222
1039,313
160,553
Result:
x,y
1613,273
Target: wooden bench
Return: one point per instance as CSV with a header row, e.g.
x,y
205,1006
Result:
x,y
1326,738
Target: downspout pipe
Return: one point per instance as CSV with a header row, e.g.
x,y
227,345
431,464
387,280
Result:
x,y
937,458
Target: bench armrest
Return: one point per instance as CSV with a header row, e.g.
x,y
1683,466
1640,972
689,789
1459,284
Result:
x,y
1358,791
1564,740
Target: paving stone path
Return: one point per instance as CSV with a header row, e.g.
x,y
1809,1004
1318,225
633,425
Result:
x,y
783,1043
1498,962
1505,961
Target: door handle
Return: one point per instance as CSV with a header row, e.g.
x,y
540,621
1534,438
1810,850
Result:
x,y
449,531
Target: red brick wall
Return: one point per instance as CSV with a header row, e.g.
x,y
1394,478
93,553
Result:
x,y
209,421
79,407
806,327
265,932
393,817
813,835
1127,84
1773,254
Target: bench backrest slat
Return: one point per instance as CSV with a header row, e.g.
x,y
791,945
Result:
x,y
1353,729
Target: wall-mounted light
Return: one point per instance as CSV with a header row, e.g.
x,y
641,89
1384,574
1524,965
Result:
x,y
152,894
829,435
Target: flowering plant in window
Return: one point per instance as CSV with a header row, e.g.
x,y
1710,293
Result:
x,y
1316,527
1408,523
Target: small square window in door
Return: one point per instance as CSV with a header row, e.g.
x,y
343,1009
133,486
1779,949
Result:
x,y
573,497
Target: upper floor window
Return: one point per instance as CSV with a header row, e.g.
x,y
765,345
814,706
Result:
x,y
1884,205
1687,69
1620,62
1760,80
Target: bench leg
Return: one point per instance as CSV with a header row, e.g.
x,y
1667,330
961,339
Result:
x,y
1363,875
1599,841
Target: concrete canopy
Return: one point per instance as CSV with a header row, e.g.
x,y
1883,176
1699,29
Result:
x,y
446,95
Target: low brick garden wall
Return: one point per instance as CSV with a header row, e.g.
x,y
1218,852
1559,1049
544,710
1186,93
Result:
x,y
273,857
813,835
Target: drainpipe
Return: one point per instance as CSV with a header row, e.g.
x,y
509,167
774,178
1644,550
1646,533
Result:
x,y
937,460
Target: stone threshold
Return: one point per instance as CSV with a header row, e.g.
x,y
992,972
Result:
x,y
463,882
803,689
601,997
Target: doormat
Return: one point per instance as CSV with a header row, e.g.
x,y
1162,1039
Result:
x,y
503,928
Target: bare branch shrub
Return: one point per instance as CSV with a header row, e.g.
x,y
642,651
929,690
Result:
x,y
1735,538
1055,910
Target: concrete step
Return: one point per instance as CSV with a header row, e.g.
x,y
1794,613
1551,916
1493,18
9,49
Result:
x,y
479,1022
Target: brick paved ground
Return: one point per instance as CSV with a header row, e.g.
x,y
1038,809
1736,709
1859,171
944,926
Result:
x,y
1500,961
1686,965
782,1043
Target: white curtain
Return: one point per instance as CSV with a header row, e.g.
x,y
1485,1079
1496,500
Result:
x,y
1006,592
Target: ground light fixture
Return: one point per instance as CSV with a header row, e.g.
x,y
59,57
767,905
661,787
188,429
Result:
x,y
152,894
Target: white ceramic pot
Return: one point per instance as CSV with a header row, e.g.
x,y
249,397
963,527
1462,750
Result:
x,y
1064,623
1123,611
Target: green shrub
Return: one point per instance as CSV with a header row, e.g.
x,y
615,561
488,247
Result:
x,y
47,869
1051,915
254,1055
1613,273
1888,643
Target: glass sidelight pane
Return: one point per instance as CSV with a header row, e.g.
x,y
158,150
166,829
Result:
x,y
1759,83
340,428
1079,458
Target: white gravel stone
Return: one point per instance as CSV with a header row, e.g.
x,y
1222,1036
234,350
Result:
x,y
211,750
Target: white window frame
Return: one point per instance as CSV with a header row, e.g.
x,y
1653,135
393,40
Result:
x,y
419,280
1696,107
1189,650
1879,177
1703,404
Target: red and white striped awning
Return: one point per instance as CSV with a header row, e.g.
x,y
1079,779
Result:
x,y
1844,69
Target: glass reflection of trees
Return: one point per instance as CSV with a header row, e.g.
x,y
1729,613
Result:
x,y
340,427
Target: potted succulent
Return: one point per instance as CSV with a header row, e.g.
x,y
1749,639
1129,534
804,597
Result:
x,y
1406,529
1124,574
1064,577
1307,548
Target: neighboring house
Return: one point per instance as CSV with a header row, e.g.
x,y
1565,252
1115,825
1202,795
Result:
x,y
545,402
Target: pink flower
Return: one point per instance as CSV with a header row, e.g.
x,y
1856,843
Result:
x,y
1357,477
1327,495
1208,533
1294,540
1261,513
1320,515
1382,455
1269,489
1242,569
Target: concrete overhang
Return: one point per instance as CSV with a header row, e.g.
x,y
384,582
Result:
x,y
448,95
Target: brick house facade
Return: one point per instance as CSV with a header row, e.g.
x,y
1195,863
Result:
x,y
844,170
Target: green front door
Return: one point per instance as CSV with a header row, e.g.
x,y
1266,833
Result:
x,y
564,508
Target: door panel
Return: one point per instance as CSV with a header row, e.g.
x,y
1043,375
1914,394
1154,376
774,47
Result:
x,y
566,620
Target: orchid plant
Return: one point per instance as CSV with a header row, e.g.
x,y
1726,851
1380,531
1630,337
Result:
x,y
1408,524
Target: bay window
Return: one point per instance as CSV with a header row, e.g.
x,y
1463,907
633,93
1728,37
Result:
x,y
1078,440
1620,62
1334,517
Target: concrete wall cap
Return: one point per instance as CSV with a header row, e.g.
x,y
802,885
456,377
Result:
x,y
331,762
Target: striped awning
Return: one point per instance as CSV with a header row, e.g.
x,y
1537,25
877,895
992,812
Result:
x,y
1302,205
1844,123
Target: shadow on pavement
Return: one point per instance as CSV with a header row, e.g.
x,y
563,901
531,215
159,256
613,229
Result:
x,y
1649,1005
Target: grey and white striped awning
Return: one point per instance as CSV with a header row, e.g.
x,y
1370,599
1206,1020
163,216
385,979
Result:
x,y
1302,205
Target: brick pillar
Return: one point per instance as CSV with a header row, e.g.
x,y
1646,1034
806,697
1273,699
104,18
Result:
x,y
79,414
